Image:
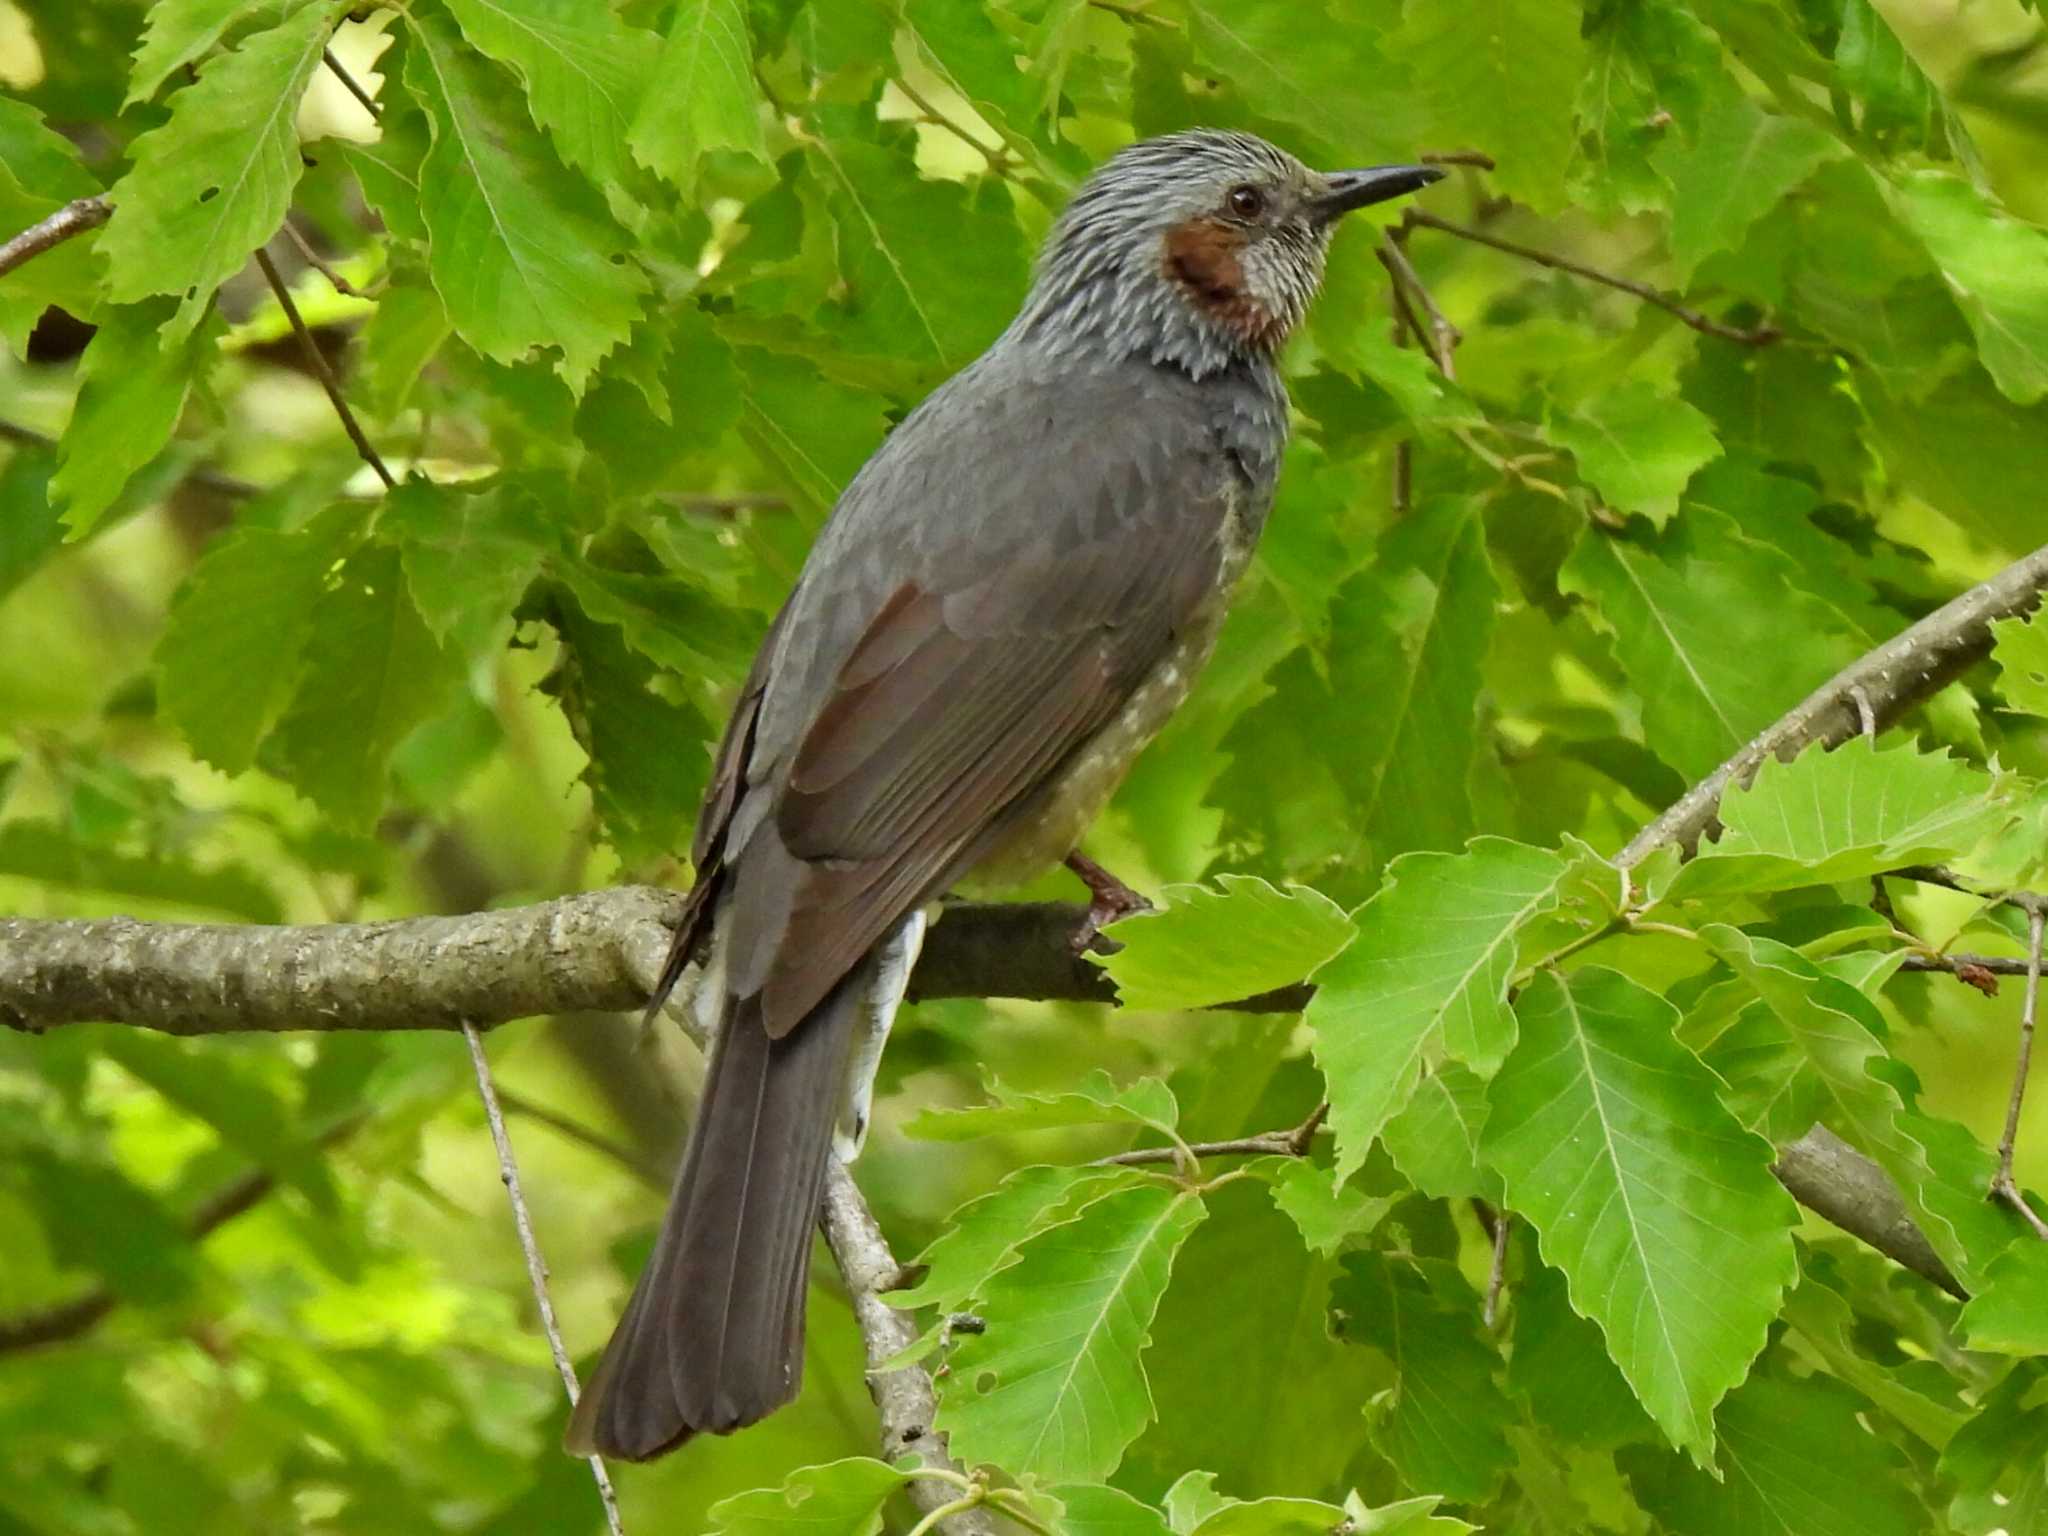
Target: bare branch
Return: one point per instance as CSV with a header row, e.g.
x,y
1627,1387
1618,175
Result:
x,y
1836,1182
74,218
320,264
349,82
317,361
1896,676
1762,335
1441,338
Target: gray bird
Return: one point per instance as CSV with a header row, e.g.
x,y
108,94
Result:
x,y
1009,600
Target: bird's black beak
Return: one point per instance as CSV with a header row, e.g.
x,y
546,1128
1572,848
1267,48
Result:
x,y
1375,184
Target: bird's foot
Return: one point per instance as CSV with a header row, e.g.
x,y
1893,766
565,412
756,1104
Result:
x,y
1109,900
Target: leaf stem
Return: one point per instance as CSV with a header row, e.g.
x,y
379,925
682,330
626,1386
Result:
x,y
968,1500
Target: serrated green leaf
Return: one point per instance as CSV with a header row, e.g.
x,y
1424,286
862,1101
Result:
x,y
972,54
1215,945
983,1234
2010,1314
1327,1215
840,1498
1273,1517
1659,1208
229,657
648,756
1844,815
373,672
469,552
50,855
1192,1499
522,250
586,72
1427,973
213,183
1434,1139
40,171
1407,640
1793,1458
1102,1511
131,393
1095,1099
96,1217
1821,1321
1739,162
1054,1388
1500,76
1637,447
1561,1369
1968,451
1690,612
181,31
1998,1460
2021,651
1244,1287
398,341
1256,45
1997,269
702,96
1444,1424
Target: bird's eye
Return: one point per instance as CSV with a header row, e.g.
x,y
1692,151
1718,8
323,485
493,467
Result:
x,y
1247,201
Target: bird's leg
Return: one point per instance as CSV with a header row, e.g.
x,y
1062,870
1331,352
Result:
x,y
1109,899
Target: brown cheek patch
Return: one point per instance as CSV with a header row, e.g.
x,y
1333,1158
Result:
x,y
1201,257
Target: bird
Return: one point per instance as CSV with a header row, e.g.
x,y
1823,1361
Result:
x,y
1007,602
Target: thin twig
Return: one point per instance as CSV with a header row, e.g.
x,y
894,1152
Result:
x,y
1479,159
1762,335
1963,965
1442,337
1293,1142
998,158
1496,1276
354,86
536,1267
2002,1186
584,1136
1948,879
317,361
319,263
1135,13
74,218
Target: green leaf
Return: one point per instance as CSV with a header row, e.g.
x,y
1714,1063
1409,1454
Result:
x,y
1094,1100
99,1219
1690,612
1738,163
1101,1511
229,657
1434,1139
983,1234
1444,1424
841,1498
1256,45
1410,635
971,53
1638,447
469,552
1501,76
648,756
1996,267
1244,1288
1327,1215
1273,1517
397,342
373,672
2010,1314
586,72
1844,815
40,171
50,855
131,393
1822,1323
1998,1461
213,183
1427,974
181,31
1561,1369
1215,945
1054,1389
703,95
523,251
1966,450
2021,651
1659,1208
1793,1458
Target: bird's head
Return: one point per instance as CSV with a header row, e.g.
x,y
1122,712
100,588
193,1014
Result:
x,y
1199,248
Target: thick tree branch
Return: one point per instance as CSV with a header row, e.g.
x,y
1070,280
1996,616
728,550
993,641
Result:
x,y
1903,672
1839,1184
74,218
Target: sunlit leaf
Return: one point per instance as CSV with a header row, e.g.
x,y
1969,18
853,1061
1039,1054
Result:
x,y
1215,945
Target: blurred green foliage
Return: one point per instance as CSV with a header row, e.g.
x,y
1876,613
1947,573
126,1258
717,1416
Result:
x,y
632,290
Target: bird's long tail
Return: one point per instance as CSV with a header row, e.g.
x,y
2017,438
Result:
x,y
713,1337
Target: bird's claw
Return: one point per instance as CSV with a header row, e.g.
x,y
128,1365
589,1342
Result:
x,y
1109,901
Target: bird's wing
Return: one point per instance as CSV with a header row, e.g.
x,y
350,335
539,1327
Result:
x,y
966,688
